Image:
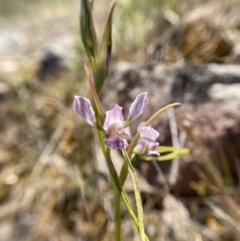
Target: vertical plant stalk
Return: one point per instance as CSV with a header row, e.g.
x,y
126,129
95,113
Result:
x,y
119,188
121,192
117,216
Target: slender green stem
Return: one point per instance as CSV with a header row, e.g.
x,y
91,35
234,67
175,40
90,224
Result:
x,y
117,216
117,211
121,192
101,141
123,173
122,178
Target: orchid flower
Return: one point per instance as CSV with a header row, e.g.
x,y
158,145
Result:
x,y
114,125
147,142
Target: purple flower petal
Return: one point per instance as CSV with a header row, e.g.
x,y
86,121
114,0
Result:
x,y
153,146
138,106
82,106
113,116
140,126
149,133
116,143
141,147
145,147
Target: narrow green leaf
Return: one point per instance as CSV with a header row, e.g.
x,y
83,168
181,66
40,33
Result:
x,y
104,54
169,156
137,194
87,31
166,149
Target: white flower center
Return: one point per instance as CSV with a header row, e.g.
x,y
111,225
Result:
x,y
115,129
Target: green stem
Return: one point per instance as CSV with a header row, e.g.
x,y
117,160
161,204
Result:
x,y
101,141
119,188
117,211
120,191
117,216
123,173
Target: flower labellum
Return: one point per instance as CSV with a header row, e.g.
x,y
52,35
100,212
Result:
x,y
116,143
114,128
82,106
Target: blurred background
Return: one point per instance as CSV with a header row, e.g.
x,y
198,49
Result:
x,y
54,183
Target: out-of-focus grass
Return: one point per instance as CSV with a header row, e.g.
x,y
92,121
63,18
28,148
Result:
x,y
135,19
20,7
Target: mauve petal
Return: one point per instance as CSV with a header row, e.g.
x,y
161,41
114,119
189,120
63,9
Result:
x,y
145,147
141,146
153,146
113,116
140,126
82,106
138,106
116,143
149,133
127,131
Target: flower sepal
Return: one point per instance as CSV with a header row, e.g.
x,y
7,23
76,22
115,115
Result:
x,y
83,108
137,108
